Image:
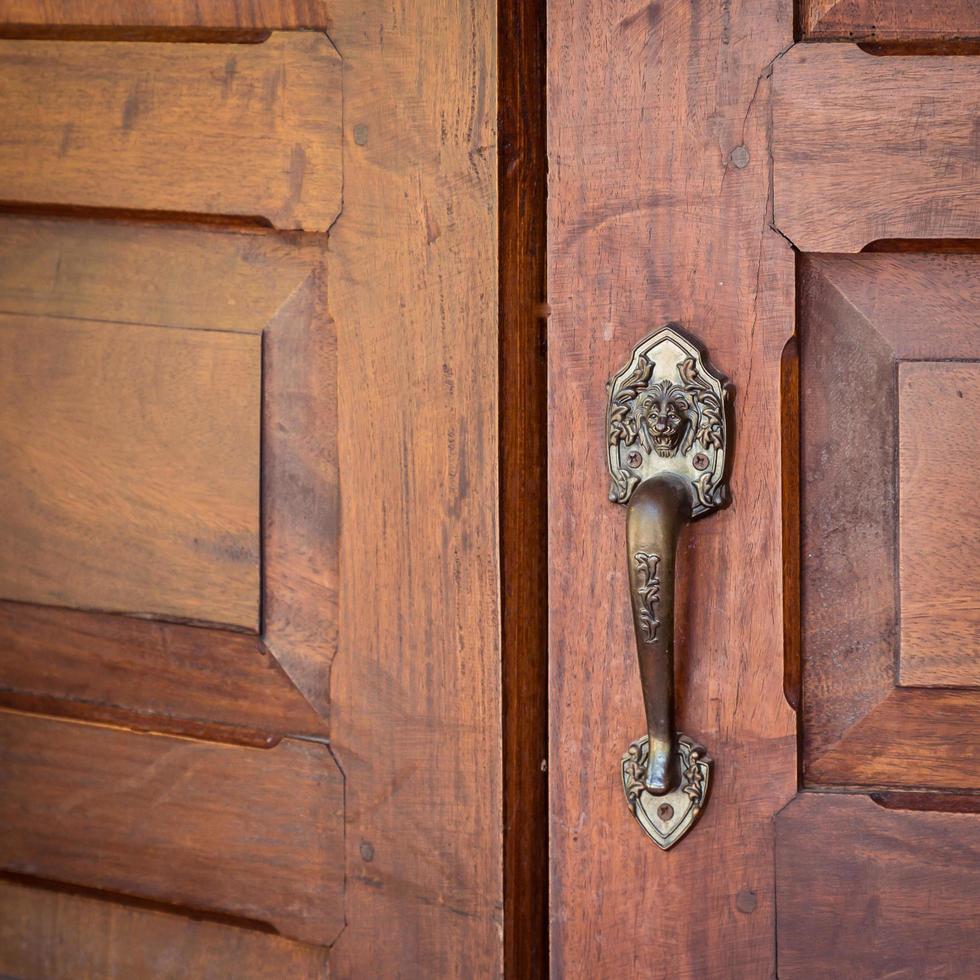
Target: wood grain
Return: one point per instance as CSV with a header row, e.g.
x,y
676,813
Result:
x,y
865,322
205,280
154,274
131,476
54,935
939,523
849,502
651,220
250,130
889,20
842,119
301,488
252,832
170,13
413,284
866,892
912,738
151,675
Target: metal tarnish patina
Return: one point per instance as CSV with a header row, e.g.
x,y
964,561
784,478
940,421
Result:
x,y
667,436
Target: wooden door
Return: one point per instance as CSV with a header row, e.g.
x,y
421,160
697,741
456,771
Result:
x,y
250,692
810,211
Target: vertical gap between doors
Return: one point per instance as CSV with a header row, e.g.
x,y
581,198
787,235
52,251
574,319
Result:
x,y
522,187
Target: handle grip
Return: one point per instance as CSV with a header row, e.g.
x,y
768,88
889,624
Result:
x,y
657,512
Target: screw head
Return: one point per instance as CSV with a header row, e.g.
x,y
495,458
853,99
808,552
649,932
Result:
x,y
700,461
665,811
634,459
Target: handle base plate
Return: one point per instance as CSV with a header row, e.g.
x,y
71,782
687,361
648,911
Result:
x,y
667,818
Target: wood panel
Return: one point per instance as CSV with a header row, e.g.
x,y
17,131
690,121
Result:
x,y
251,130
131,476
129,272
145,674
836,189
849,496
301,489
197,281
912,737
252,832
412,285
170,13
866,892
939,523
659,182
889,20
866,321
54,935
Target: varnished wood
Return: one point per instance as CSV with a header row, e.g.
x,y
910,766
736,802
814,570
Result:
x,y
412,285
650,220
251,129
301,489
939,523
253,832
55,935
201,281
869,147
523,499
866,321
911,738
889,20
273,14
937,802
131,468
145,674
866,892
132,272
849,500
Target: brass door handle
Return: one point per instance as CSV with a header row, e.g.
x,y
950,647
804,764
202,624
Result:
x,y
667,437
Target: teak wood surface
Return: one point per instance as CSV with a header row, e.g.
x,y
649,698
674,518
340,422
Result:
x,y
866,320
252,130
902,21
225,828
63,936
164,677
842,119
669,127
212,287
131,468
387,341
867,892
651,221
358,765
939,540
186,14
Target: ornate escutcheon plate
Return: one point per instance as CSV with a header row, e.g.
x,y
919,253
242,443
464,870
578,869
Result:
x,y
667,378
667,818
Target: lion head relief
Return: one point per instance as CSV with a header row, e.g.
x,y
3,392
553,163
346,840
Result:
x,y
666,418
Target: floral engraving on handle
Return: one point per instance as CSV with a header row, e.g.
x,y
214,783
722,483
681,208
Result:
x,y
649,593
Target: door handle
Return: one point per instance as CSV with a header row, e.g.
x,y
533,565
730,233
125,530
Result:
x,y
667,436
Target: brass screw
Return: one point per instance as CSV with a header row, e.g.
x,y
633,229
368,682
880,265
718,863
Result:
x,y
634,459
700,461
665,811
